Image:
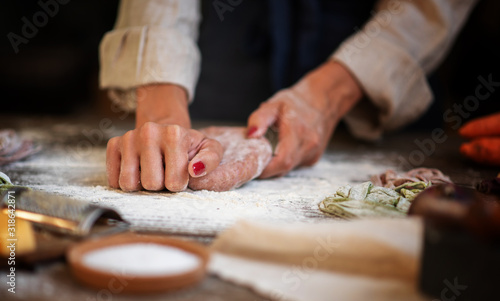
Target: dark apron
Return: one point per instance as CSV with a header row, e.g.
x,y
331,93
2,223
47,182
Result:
x,y
262,46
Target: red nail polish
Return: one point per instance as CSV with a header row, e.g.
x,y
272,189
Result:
x,y
198,168
252,131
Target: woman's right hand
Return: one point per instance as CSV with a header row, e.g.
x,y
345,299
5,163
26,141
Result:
x,y
162,152
157,156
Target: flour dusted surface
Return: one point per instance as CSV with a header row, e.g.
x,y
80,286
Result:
x,y
292,198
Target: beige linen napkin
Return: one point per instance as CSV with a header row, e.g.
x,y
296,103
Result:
x,y
375,259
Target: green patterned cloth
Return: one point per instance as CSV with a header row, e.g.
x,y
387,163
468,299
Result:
x,y
365,199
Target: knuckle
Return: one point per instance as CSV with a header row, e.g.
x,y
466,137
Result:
x,y
288,164
216,148
280,95
173,132
148,131
290,113
112,147
113,143
286,119
128,137
314,141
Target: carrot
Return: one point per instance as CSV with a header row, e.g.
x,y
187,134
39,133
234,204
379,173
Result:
x,y
481,127
483,150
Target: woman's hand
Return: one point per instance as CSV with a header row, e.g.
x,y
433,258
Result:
x,y
162,152
305,116
157,156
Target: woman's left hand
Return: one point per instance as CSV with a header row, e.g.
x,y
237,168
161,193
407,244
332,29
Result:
x,y
305,116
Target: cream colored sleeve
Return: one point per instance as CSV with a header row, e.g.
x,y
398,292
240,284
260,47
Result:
x,y
153,41
391,55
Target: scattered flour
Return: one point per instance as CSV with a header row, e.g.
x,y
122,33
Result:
x,y
80,173
142,259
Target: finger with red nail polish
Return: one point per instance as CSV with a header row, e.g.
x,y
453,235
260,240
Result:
x,y
199,168
260,120
251,131
207,158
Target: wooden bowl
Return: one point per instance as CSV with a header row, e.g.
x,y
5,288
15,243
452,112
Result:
x,y
117,283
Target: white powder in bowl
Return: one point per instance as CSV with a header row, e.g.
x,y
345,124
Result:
x,y
142,259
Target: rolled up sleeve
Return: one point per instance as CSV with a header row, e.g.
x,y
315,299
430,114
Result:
x,y
390,57
153,41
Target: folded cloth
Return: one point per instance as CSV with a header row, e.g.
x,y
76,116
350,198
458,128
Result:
x,y
14,148
375,259
367,200
386,195
390,179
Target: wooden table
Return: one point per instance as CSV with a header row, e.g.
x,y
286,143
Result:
x,y
72,163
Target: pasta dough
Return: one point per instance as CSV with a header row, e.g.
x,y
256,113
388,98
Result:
x,y
244,159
